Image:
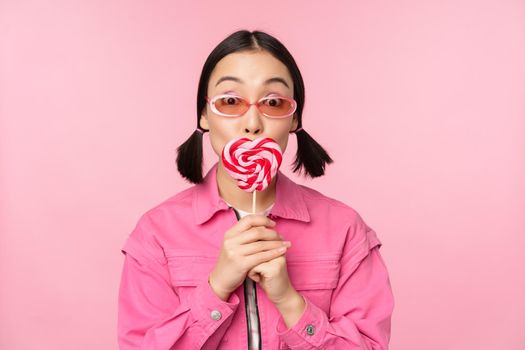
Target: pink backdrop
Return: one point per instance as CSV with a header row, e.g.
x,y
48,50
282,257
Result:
x,y
421,104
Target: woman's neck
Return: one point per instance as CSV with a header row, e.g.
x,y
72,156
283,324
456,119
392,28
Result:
x,y
240,199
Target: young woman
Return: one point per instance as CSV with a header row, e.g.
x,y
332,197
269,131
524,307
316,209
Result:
x,y
303,272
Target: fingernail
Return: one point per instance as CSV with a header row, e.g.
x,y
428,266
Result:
x,y
282,249
287,243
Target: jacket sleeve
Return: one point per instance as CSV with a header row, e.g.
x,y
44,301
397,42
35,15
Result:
x,y
361,306
150,314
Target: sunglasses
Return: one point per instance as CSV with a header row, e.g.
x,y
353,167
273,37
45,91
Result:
x,y
274,106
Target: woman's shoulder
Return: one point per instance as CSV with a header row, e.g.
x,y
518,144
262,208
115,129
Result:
x,y
340,220
335,210
179,202
154,224
318,201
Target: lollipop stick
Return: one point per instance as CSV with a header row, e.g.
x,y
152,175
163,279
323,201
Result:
x,y
253,201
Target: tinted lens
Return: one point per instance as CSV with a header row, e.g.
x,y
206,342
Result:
x,y
275,106
232,105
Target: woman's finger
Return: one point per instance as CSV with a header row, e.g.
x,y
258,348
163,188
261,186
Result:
x,y
254,234
259,246
259,258
249,221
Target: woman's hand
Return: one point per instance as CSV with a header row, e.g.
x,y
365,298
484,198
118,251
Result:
x,y
273,278
250,242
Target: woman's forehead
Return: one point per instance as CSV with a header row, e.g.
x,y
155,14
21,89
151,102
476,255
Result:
x,y
258,68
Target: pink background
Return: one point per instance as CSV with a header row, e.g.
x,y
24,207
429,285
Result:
x,y
421,104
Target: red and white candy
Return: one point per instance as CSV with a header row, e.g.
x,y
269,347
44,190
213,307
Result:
x,y
252,163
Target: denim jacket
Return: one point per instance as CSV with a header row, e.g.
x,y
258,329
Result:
x,y
165,301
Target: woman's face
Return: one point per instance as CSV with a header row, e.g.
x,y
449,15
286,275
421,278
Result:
x,y
252,69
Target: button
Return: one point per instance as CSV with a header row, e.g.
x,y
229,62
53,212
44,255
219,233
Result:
x,y
216,315
310,330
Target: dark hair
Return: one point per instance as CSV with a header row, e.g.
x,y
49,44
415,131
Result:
x,y
310,155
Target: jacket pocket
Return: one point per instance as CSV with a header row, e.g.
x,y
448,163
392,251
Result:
x,y
187,269
315,276
314,271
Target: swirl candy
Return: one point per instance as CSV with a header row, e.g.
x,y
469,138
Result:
x,y
252,163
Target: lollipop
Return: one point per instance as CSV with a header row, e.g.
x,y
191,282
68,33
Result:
x,y
252,163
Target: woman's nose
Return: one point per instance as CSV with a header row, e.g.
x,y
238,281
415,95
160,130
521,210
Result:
x,y
253,121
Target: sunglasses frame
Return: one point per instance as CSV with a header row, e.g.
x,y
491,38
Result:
x,y
212,101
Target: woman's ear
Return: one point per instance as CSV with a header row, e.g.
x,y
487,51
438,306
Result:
x,y
295,122
203,122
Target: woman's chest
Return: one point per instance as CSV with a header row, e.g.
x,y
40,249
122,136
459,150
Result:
x,y
314,276
313,266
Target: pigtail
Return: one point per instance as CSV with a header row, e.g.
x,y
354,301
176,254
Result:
x,y
189,158
310,155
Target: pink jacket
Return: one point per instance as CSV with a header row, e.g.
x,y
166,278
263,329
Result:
x,y
165,301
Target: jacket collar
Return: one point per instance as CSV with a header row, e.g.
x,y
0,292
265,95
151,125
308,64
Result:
x,y
289,201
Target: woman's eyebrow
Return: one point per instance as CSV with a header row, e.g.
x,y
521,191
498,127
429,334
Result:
x,y
268,81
